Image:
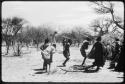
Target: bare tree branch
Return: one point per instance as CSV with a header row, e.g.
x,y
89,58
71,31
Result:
x,y
103,9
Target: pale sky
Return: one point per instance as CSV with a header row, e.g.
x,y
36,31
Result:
x,y
63,13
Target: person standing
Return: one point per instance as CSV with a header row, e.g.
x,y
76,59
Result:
x,y
121,65
43,47
83,48
47,53
115,55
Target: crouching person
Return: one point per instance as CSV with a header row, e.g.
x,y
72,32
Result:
x,y
98,55
83,48
47,52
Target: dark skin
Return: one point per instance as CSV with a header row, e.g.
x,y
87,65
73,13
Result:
x,y
66,53
84,53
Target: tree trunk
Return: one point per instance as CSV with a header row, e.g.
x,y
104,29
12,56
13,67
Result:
x,y
18,49
116,23
27,46
7,47
37,45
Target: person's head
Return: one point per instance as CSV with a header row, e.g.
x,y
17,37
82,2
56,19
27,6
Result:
x,y
70,41
99,38
54,45
55,32
46,41
88,39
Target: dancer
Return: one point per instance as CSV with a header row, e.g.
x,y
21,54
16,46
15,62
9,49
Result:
x,y
66,52
83,48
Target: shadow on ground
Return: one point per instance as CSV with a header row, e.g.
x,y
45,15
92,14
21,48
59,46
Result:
x,y
90,71
39,71
60,66
12,56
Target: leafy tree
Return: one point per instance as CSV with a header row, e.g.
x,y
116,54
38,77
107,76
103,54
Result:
x,y
10,28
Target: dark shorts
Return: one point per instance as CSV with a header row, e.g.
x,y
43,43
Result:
x,y
66,53
47,61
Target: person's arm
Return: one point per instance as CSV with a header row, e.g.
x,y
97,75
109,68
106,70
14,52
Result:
x,y
41,47
91,50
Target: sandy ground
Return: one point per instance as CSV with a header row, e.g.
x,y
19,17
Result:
x,y
27,68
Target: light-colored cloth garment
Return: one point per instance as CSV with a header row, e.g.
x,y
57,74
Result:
x,y
46,54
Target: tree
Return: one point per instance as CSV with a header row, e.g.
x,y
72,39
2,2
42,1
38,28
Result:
x,y
108,8
113,22
10,28
80,34
77,35
101,26
37,35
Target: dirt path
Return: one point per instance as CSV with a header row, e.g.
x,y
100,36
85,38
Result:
x,y
27,68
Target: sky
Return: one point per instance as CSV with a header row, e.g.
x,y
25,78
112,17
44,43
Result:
x,y
55,13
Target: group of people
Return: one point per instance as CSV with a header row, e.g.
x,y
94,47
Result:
x,y
117,56
97,53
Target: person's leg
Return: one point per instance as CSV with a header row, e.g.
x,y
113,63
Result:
x,y
112,65
113,61
84,60
89,67
44,65
93,65
49,67
98,67
84,55
67,58
51,56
